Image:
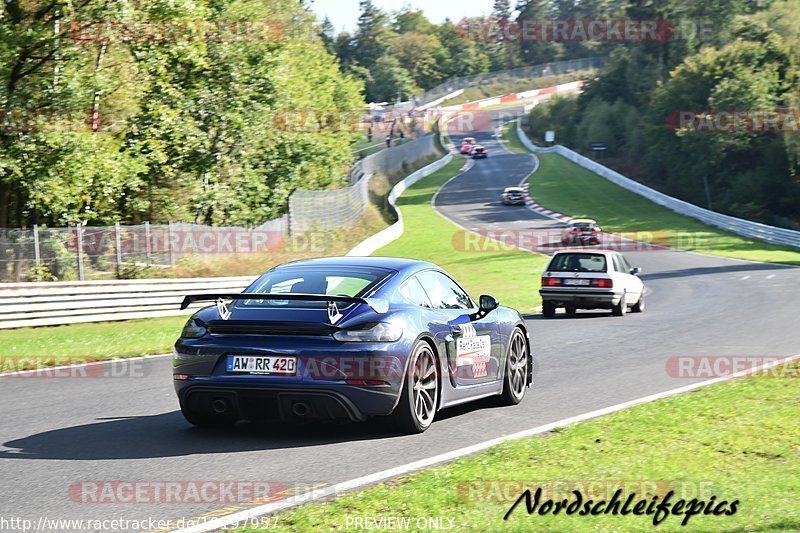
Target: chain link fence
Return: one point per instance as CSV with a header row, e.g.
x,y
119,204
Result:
x,y
104,252
100,252
310,210
502,76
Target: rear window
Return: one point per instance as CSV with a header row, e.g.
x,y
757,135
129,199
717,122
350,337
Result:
x,y
339,281
578,263
583,225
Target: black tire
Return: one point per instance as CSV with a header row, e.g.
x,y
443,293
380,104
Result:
x,y
410,416
207,420
548,310
639,307
571,311
621,308
515,377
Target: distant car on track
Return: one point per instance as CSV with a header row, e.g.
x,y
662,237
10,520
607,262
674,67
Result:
x,y
469,140
591,279
513,196
479,152
466,149
348,338
582,231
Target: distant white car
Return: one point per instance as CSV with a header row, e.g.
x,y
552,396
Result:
x,y
591,279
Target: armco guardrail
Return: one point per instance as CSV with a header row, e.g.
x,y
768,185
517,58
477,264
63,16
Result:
x,y
393,232
746,228
500,76
54,303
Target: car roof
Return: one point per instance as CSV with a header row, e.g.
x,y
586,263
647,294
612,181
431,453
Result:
x,y
592,251
515,189
583,221
479,146
393,263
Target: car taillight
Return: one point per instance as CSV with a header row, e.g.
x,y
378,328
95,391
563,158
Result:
x,y
551,282
575,231
603,283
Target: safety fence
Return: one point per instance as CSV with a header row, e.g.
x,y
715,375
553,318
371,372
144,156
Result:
x,y
746,228
83,252
310,210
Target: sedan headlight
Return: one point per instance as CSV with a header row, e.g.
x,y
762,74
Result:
x,y
193,330
374,332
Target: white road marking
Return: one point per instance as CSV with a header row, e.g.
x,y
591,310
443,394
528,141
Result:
x,y
242,517
745,277
771,276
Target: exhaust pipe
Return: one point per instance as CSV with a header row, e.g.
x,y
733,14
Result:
x,y
301,409
219,406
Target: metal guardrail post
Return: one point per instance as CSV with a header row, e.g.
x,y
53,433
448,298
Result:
x,y
36,252
118,247
169,244
79,233
147,243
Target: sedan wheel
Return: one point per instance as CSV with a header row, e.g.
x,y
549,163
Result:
x,y
621,308
515,382
420,397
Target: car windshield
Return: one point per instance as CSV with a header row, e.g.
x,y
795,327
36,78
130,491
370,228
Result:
x,y
583,225
339,281
578,262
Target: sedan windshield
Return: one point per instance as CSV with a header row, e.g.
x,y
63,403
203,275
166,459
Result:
x,y
578,262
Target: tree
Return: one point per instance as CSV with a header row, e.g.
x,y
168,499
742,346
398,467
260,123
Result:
x,y
390,81
410,20
374,35
420,55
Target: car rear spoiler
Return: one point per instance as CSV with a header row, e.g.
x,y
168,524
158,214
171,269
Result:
x,y
376,304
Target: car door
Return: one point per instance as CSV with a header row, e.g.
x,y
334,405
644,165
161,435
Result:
x,y
474,349
632,284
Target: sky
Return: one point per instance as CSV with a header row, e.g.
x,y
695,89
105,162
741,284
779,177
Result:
x,y
344,13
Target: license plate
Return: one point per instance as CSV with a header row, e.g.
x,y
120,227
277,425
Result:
x,y
257,364
579,282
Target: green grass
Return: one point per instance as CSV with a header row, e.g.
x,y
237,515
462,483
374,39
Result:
x,y
563,186
736,440
96,341
511,275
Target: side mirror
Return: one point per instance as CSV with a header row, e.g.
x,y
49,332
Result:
x,y
488,304
636,271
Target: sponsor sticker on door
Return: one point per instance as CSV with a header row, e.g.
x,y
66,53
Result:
x,y
475,352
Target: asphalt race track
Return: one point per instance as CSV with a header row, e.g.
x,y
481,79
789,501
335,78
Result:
x,y
57,432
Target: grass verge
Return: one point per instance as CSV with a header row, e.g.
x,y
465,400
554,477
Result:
x,y
89,342
563,186
510,276
735,440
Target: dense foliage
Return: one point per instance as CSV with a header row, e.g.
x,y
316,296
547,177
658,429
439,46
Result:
x,y
198,110
726,56
402,53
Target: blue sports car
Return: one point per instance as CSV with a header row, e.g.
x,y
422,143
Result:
x,y
348,338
